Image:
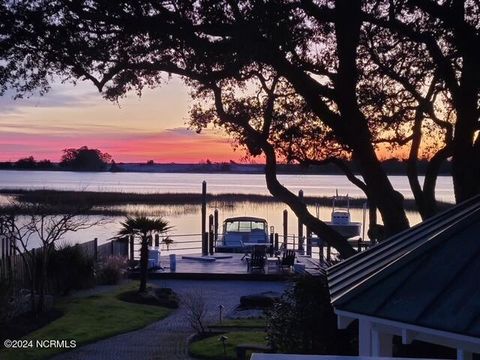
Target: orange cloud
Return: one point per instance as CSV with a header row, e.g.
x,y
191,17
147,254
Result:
x,y
178,145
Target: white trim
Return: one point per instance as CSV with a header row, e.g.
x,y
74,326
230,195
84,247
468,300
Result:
x,y
382,343
464,355
364,338
408,336
458,341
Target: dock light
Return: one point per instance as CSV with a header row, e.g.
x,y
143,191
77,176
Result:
x,y
272,229
223,339
220,312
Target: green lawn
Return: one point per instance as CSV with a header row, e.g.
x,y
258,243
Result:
x,y
242,323
252,324
90,319
211,348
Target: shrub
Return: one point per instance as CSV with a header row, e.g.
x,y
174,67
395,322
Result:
x,y
111,271
70,269
196,310
5,299
303,322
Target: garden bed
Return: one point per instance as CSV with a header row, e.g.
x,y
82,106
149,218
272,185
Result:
x,y
89,319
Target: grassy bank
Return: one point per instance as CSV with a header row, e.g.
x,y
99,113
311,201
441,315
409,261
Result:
x,y
89,319
100,201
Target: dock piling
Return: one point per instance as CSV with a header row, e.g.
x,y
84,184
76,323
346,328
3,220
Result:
x,y
210,234
285,228
204,206
300,228
215,224
309,242
205,244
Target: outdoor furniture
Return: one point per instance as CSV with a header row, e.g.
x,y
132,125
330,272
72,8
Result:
x,y
154,259
257,260
254,247
287,260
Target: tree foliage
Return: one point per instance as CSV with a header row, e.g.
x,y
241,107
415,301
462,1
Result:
x,y
306,81
84,159
32,222
303,322
143,228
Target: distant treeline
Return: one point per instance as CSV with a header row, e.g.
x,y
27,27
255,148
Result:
x,y
81,159
392,167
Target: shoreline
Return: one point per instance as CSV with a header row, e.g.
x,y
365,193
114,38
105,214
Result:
x,y
63,198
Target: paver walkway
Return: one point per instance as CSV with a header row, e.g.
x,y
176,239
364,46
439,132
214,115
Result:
x,y
167,338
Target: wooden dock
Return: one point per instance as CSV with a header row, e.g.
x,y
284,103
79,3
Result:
x,y
232,267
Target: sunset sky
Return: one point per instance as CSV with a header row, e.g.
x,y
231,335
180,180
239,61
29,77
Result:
x,y
135,130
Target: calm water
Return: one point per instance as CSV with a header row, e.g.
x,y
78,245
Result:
x,y
312,185
186,218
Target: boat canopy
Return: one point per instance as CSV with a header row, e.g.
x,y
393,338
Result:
x,y
239,232
244,224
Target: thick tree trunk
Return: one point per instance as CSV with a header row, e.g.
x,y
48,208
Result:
x,y
465,150
143,264
299,208
357,133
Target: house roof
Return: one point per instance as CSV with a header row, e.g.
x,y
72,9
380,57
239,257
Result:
x,y
427,275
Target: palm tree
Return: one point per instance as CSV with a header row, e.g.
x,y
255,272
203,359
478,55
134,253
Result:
x,y
143,228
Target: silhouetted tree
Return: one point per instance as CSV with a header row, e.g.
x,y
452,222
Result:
x,y
85,159
26,222
44,164
143,228
26,163
367,72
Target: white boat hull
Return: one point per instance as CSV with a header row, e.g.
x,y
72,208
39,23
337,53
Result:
x,y
349,230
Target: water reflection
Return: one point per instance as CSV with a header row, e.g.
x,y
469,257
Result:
x,y
187,220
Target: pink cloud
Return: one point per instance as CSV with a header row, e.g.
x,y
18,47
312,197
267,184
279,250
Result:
x,y
172,145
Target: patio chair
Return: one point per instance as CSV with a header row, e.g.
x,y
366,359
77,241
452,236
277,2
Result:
x,y
287,260
257,259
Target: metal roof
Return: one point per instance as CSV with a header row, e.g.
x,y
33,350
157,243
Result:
x,y
427,275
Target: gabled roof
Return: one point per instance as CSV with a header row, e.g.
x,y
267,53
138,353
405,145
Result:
x,y
428,275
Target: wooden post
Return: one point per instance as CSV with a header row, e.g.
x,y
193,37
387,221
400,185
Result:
x,y
270,248
210,234
309,242
204,207
300,227
276,242
205,244
215,224
95,249
132,248
285,228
